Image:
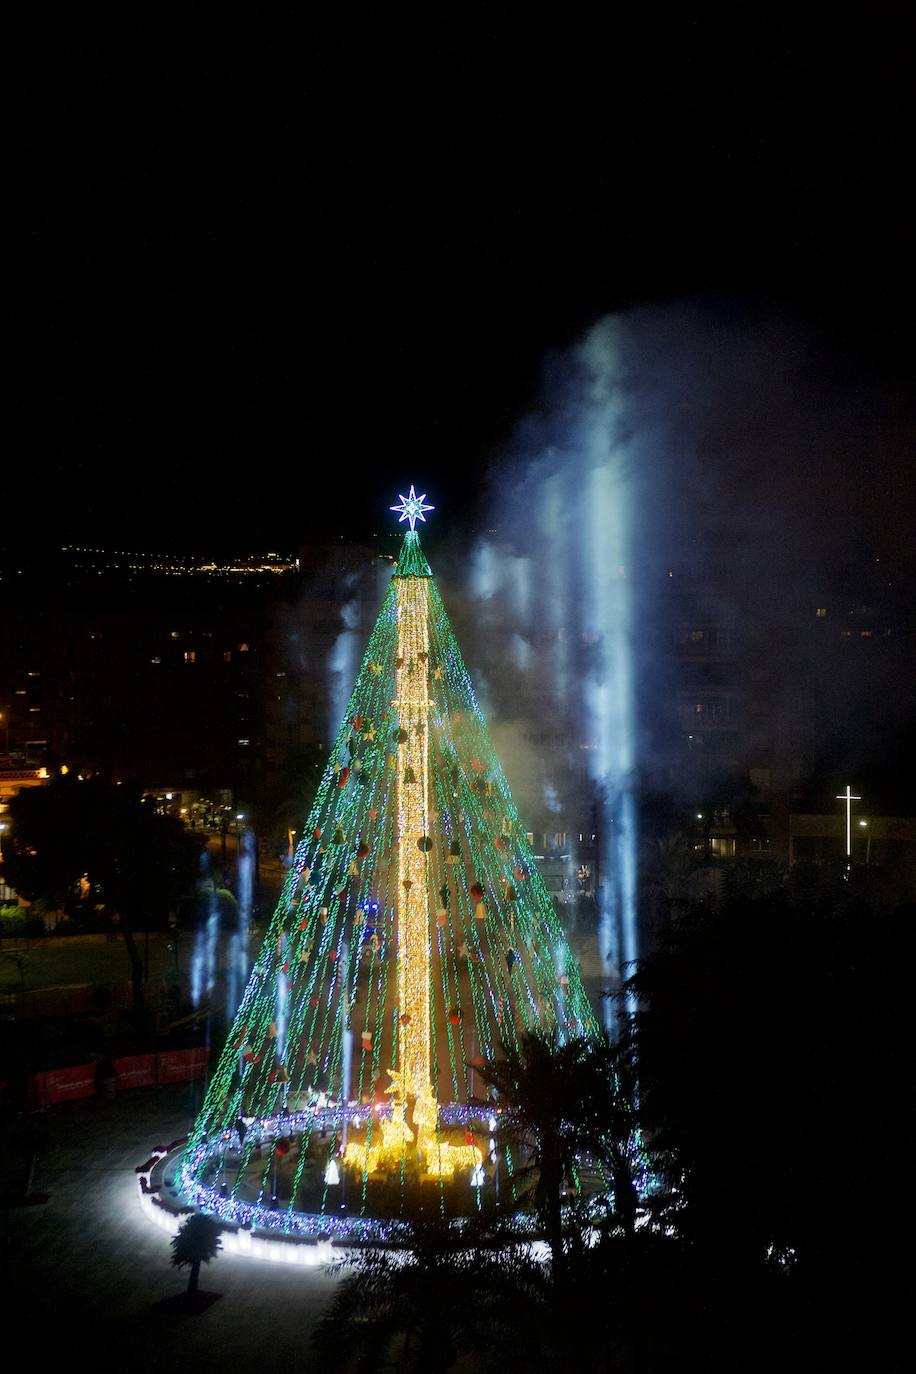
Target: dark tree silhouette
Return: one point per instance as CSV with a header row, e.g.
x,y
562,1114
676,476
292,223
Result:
x,y
775,1060
195,1243
567,1099
137,864
450,1295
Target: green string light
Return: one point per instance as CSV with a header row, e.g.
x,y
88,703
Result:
x,y
499,965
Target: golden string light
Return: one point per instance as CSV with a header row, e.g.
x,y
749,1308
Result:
x,y
411,1081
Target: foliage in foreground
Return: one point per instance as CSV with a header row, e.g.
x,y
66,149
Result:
x,y
776,1071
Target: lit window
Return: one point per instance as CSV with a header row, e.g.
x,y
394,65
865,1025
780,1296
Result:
x,y
243,648
244,743
697,636
190,655
176,634
866,634
227,655
821,612
157,659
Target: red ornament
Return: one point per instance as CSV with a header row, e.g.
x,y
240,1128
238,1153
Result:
x,y
316,833
363,852
477,892
282,1146
344,775
455,1016
357,722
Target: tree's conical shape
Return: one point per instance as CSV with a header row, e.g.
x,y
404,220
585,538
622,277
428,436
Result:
x,y
414,935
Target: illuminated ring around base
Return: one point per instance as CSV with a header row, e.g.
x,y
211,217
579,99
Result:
x,y
170,1188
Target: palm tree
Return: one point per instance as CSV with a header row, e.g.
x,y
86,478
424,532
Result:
x,y
567,1098
449,1297
196,1243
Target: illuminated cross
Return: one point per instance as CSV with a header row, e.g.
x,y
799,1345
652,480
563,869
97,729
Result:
x,y
848,797
412,508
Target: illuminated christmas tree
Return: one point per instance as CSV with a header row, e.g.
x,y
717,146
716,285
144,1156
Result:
x,y
413,938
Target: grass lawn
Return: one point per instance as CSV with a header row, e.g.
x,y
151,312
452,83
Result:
x,y
74,960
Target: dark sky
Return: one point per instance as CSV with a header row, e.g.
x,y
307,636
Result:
x,y
269,267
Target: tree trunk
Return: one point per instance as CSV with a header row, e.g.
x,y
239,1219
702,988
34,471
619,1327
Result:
x,y
626,1201
551,1181
136,972
193,1278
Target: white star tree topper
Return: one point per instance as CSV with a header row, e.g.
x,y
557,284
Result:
x,y
412,508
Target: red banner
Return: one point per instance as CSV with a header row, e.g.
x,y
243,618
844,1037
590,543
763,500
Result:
x,y
136,1071
133,1071
180,1066
66,1085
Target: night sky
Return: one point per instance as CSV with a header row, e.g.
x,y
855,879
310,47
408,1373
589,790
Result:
x,y
268,268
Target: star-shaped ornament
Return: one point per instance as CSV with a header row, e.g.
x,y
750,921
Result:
x,y
412,508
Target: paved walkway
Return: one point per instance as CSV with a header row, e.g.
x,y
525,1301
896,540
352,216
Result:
x,y
85,1271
